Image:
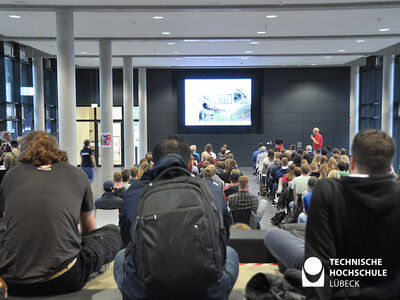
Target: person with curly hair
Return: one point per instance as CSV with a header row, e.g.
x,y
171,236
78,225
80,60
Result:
x,y
50,244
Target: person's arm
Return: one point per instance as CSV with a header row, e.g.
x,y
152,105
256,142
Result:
x,y
87,221
93,161
7,161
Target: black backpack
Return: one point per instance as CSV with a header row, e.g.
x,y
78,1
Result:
x,y
178,238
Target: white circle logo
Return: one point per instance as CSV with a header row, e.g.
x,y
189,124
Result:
x,y
313,266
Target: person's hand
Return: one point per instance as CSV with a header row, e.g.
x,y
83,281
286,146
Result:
x,y
312,137
95,167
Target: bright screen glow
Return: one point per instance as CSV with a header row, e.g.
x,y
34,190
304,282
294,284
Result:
x,y
218,102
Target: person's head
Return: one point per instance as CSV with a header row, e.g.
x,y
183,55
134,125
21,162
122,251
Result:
x,y
240,226
205,164
277,155
315,131
125,175
305,169
324,151
40,148
333,174
220,164
260,145
232,164
223,149
6,136
292,147
373,151
346,159
14,144
134,171
270,154
324,159
227,163
291,175
341,166
323,171
284,162
108,186
234,176
317,159
172,145
336,151
86,143
332,164
337,157
297,159
288,154
149,157
117,177
297,171
144,165
263,149
307,157
192,148
342,151
204,155
210,159
300,151
229,155
311,182
314,167
243,183
208,148
209,171
304,162
317,151
309,148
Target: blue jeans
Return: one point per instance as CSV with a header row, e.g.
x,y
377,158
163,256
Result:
x,y
302,218
89,172
285,247
220,290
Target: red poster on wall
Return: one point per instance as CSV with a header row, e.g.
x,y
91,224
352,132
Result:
x,y
106,140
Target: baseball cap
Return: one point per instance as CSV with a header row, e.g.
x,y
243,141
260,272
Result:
x,y
108,185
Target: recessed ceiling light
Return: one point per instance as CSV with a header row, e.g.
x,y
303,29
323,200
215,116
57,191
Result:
x,y
171,43
15,17
165,32
261,32
314,64
384,29
175,52
178,58
84,52
254,43
46,32
328,56
248,51
341,50
244,58
360,41
271,16
158,17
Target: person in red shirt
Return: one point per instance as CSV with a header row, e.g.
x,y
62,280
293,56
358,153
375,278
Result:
x,y
317,139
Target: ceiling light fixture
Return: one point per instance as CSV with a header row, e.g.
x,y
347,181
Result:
x,y
84,52
314,64
341,50
158,17
254,43
248,51
328,56
171,43
165,32
15,17
360,41
178,58
271,16
384,29
46,32
175,52
261,32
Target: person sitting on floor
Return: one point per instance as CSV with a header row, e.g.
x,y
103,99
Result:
x,y
50,244
108,200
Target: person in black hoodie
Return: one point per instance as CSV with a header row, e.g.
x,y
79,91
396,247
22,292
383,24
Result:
x,y
108,200
358,217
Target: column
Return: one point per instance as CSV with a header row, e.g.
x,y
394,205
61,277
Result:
x,y
354,103
106,105
38,98
66,83
387,93
129,147
142,85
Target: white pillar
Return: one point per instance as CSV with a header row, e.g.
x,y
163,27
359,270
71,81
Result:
x,y
38,98
106,105
66,83
142,93
354,103
387,93
129,146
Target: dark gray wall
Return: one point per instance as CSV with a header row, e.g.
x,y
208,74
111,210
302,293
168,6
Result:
x,y
295,101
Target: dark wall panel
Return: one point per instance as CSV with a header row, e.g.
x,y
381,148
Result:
x,y
295,101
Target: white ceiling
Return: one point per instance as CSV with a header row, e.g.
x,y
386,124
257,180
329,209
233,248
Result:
x,y
212,33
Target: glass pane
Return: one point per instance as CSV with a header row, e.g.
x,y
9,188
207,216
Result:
x,y
117,146
12,127
136,133
9,80
136,112
97,113
27,119
117,113
84,131
84,113
11,110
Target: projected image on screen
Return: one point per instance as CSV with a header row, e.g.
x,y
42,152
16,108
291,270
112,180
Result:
x,y
218,102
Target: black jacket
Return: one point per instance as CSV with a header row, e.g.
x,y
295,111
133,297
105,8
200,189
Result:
x,y
355,217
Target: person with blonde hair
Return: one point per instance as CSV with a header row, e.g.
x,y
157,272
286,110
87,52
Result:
x,y
332,164
50,242
144,165
333,174
317,159
323,171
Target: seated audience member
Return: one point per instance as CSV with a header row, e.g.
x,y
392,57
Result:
x,y
134,174
255,154
332,164
289,176
143,166
233,187
334,174
346,160
297,159
149,159
219,168
316,160
108,200
300,151
209,149
240,226
342,168
310,151
307,157
300,182
169,152
324,160
209,174
125,178
307,200
314,170
317,151
221,155
267,161
204,165
323,171
119,190
245,200
342,151
11,158
260,158
192,166
292,148
196,156
282,171
43,252
230,164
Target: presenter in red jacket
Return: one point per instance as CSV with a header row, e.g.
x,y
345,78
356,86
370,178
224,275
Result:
x,y
317,139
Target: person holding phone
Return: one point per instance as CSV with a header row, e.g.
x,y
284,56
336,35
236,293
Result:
x,y
317,139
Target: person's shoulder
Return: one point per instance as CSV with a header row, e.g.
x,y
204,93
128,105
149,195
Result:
x,y
67,167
